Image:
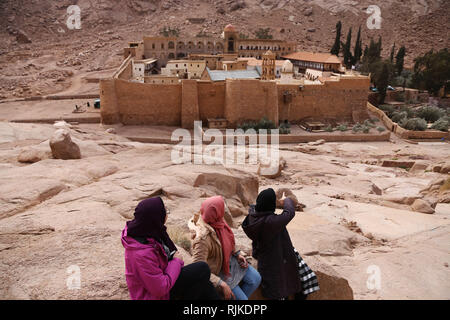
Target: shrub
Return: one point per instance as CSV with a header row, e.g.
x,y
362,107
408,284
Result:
x,y
381,129
365,129
180,237
417,124
387,108
265,123
342,127
430,113
369,124
329,129
285,128
357,127
398,116
409,111
441,125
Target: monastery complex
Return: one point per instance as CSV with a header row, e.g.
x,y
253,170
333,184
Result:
x,y
174,82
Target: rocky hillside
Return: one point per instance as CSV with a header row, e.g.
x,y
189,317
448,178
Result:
x,y
45,53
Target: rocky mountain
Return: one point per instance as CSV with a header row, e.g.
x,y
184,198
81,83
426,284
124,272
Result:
x,y
32,29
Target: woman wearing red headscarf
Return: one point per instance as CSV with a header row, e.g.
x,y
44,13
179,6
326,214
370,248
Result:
x,y
213,242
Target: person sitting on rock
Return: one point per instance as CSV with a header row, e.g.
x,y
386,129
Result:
x,y
153,268
213,242
283,271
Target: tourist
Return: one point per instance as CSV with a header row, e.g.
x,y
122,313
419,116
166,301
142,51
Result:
x,y
283,271
213,242
153,267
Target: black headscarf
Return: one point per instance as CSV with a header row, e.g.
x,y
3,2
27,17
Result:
x,y
266,201
148,222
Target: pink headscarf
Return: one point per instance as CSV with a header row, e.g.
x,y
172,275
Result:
x,y
213,211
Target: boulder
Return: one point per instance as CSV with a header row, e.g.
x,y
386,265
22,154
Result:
x,y
423,206
31,156
22,37
419,167
63,147
308,11
445,168
271,170
332,285
237,183
377,190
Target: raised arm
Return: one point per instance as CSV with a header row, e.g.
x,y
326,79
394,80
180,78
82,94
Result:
x,y
274,223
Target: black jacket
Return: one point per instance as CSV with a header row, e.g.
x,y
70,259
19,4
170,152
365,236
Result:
x,y
273,249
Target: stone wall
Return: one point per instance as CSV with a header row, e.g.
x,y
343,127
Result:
x,y
237,101
335,100
250,100
211,100
140,103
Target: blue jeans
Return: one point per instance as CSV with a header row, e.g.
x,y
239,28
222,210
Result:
x,y
249,284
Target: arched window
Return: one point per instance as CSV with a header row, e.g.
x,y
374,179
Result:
x,y
230,44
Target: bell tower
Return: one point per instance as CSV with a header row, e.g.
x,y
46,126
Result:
x,y
268,66
230,36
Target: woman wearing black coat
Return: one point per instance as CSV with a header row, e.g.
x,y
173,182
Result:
x,y
272,246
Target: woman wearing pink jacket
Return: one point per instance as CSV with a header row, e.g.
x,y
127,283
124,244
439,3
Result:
x,y
153,268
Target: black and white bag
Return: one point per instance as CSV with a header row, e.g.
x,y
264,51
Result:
x,y
308,278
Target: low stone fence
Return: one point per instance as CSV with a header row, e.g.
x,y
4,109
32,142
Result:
x,y
403,133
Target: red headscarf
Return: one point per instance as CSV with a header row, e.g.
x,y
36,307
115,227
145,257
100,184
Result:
x,y
213,210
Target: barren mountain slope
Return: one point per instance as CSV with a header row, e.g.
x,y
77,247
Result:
x,y
56,54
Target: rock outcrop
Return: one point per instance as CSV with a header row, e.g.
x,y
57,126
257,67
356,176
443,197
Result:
x,y
63,147
422,206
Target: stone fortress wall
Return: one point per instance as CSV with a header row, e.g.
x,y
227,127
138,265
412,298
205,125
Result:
x,y
179,104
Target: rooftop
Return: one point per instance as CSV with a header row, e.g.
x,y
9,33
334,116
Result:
x,y
221,75
313,56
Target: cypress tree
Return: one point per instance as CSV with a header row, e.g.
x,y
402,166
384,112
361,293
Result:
x,y
337,43
358,47
392,53
346,48
379,47
399,59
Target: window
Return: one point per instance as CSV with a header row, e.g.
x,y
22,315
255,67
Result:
x,y
162,45
153,46
171,45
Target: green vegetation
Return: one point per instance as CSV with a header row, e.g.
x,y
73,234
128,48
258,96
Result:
x,y
263,33
337,42
430,113
432,71
441,125
329,128
358,127
264,123
416,124
381,129
285,128
342,127
417,118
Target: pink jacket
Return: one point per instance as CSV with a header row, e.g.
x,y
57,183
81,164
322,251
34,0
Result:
x,y
148,273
